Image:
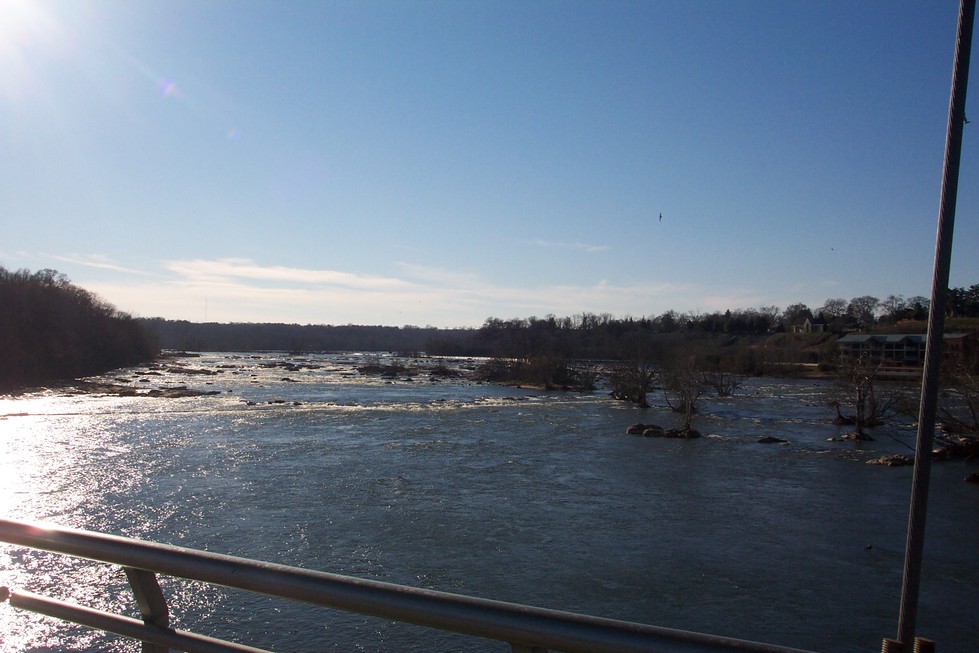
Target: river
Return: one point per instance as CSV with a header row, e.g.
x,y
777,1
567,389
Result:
x,y
505,493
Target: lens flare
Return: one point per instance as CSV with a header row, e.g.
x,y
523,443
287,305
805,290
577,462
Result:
x,y
168,88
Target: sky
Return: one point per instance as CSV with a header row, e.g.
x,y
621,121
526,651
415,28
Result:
x,y
443,162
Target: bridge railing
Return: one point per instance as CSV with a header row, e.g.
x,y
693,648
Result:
x,y
526,629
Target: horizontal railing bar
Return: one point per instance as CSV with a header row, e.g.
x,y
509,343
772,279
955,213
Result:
x,y
126,626
518,624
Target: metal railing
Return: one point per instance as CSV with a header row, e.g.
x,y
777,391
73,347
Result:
x,y
526,629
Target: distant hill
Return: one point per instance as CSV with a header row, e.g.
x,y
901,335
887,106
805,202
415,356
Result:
x,y
212,336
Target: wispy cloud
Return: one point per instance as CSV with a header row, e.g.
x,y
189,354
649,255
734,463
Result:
x,y
581,247
96,261
229,269
242,290
442,277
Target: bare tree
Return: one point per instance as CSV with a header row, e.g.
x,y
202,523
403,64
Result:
x,y
893,307
958,412
683,388
917,307
858,378
725,384
834,308
864,309
796,314
772,313
633,379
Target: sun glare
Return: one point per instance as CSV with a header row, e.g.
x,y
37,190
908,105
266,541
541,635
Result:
x,y
29,32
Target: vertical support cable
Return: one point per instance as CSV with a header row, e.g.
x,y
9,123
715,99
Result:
x,y
936,328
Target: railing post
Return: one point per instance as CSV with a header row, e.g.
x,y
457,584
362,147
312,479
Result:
x,y
152,603
891,646
924,645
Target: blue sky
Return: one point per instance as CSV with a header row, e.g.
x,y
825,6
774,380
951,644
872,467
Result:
x,y
439,163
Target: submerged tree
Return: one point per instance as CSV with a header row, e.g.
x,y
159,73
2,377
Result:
x,y
632,380
683,388
858,377
959,406
958,412
725,384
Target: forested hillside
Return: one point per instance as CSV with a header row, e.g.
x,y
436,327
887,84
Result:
x,y
52,330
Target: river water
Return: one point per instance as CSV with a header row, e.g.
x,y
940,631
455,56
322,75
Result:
x,y
505,493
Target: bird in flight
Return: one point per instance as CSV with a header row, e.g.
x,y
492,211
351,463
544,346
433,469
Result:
x,y
660,216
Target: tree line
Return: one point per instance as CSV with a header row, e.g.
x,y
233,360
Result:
x,y
581,336
244,336
53,330
590,335
751,341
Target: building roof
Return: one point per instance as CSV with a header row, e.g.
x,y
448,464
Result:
x,y
881,338
892,338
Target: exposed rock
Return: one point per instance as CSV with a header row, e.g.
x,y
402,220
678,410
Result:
x,y
378,369
128,391
895,460
189,370
768,439
956,447
649,430
287,365
655,431
179,354
445,371
179,392
681,433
